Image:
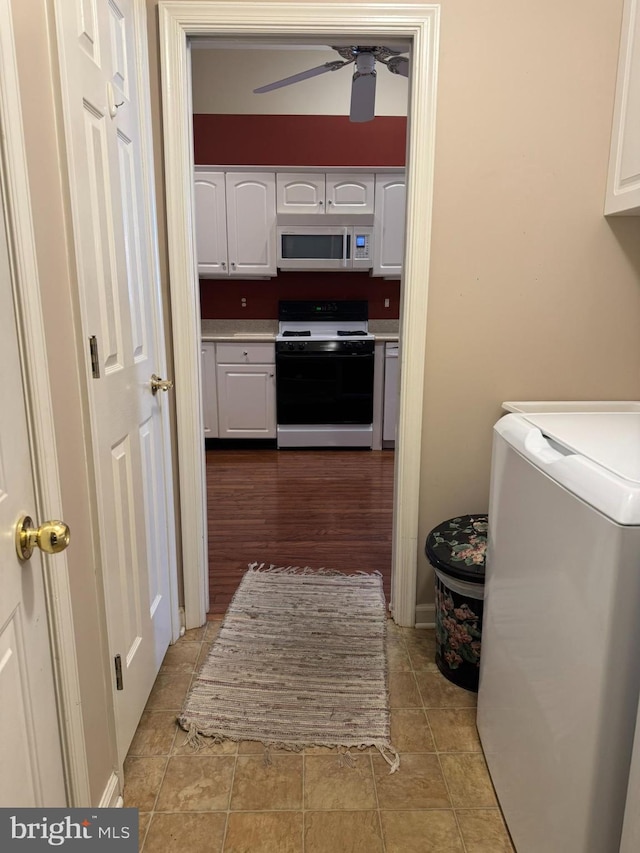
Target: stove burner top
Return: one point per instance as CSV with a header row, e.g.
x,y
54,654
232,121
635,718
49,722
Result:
x,y
351,332
294,334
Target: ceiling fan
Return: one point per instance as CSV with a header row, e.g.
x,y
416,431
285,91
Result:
x,y
363,86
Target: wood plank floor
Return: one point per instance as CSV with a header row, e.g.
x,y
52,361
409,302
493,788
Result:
x,y
325,508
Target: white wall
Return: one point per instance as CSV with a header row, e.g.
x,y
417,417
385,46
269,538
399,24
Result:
x,y
224,80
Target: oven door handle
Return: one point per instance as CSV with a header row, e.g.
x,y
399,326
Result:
x,y
345,243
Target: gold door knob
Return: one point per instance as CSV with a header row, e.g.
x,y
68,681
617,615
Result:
x,y
52,537
159,384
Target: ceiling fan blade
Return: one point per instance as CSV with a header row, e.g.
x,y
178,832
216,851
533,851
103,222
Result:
x,y
363,97
398,65
303,75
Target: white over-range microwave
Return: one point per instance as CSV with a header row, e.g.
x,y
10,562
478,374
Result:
x,y
326,247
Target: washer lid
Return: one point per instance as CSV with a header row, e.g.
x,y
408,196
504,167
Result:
x,y
610,439
595,455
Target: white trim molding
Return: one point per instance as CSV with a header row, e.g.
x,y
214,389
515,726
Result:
x,y
111,798
425,616
417,23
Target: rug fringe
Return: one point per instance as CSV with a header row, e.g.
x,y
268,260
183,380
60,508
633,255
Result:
x,y
306,570
390,755
193,739
196,740
346,759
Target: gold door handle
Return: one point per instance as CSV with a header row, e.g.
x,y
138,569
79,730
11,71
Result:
x,y
52,537
159,384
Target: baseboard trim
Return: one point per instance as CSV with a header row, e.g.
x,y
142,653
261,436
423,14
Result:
x,y
425,615
111,798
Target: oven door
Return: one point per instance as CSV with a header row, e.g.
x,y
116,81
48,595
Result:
x,y
324,388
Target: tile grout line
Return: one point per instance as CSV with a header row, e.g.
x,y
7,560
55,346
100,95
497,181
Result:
x,y
153,810
228,812
209,641
302,803
437,752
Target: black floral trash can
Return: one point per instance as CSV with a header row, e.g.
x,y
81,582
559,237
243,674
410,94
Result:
x,y
456,549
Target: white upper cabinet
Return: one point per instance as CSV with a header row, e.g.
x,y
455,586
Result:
x,y
623,184
211,223
388,225
349,193
300,192
251,223
318,193
235,215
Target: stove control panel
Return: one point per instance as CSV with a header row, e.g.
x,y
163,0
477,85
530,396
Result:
x,y
312,347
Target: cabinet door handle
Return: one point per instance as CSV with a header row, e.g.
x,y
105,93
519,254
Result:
x,y
271,375
233,265
224,265
244,352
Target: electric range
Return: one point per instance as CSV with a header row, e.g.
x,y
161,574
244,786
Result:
x,y
324,374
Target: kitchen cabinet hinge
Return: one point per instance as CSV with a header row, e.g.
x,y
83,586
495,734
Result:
x,y
93,350
118,664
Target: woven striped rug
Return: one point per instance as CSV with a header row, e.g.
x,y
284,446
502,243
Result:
x,y
299,661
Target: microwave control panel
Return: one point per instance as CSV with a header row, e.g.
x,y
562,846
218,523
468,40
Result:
x,y
361,246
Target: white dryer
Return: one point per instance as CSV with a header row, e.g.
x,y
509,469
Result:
x,y
560,665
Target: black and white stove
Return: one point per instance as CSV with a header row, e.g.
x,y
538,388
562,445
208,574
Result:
x,y
323,321
324,374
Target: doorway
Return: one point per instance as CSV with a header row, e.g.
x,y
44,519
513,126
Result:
x,y
304,507
177,24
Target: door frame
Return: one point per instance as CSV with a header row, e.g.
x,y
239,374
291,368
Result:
x,y
418,23
40,418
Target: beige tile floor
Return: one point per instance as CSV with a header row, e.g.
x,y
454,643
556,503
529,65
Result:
x,y
224,799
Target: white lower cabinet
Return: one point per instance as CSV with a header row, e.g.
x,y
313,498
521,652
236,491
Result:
x,y
246,390
391,387
209,397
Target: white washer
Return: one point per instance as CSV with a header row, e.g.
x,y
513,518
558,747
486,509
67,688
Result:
x,y
560,665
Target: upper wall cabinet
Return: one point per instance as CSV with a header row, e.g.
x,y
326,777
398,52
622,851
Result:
x,y
388,225
623,184
308,192
235,223
211,223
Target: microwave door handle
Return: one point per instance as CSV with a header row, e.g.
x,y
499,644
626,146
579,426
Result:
x,y
345,240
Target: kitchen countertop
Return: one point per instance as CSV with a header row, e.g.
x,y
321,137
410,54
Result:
x,y
266,330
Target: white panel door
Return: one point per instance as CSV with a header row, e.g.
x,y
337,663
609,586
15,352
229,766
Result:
x,y
32,772
102,57
251,223
210,223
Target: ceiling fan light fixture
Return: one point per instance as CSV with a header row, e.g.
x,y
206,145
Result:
x,y
365,63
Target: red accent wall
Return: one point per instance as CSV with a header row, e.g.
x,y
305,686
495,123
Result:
x,y
220,298
298,140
